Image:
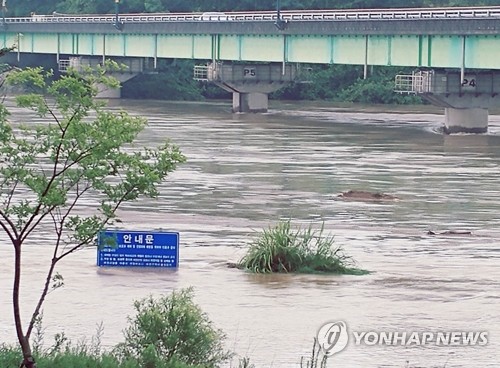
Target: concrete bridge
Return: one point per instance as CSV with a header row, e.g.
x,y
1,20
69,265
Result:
x,y
460,45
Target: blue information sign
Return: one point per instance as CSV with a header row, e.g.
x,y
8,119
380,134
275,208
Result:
x,y
120,248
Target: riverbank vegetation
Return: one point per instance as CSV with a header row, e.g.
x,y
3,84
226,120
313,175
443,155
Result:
x,y
169,331
166,332
285,249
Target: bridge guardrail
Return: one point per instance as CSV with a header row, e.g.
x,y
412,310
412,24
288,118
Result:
x,y
415,83
290,15
63,65
200,73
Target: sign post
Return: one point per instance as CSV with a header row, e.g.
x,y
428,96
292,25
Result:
x,y
121,248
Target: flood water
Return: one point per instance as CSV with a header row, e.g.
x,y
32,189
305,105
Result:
x,y
244,173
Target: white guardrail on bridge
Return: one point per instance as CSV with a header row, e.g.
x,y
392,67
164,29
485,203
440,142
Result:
x,y
287,15
415,83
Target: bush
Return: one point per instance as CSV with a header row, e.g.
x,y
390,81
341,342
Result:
x,y
172,329
281,249
9,356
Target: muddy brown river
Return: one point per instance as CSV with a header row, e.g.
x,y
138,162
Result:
x,y
244,173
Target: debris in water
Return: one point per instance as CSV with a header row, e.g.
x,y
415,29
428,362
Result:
x,y
361,195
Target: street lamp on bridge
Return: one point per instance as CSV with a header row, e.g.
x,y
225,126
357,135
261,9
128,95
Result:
x,y
117,24
4,10
280,23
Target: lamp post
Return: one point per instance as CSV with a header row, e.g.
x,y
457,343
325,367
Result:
x,y
4,10
118,25
280,23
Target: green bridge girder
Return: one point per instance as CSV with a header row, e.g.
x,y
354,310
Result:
x,y
474,51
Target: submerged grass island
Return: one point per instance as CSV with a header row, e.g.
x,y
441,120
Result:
x,y
283,249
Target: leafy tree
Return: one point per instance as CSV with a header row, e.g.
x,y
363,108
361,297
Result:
x,y
48,169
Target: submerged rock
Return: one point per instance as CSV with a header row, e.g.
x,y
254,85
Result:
x,y
234,265
361,195
450,232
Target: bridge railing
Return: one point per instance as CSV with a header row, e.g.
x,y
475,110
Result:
x,y
200,73
64,65
286,15
417,82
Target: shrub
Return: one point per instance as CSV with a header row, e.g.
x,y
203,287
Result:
x,y
282,249
172,329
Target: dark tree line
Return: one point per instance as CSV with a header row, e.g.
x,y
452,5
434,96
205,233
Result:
x,y
25,7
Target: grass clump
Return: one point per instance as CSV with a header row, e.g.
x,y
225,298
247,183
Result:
x,y
282,249
78,356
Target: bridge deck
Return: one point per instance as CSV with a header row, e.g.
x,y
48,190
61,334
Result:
x,y
436,38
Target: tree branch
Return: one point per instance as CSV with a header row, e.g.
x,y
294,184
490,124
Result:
x,y
105,222
45,291
54,175
34,225
11,195
30,226
55,259
12,232
54,116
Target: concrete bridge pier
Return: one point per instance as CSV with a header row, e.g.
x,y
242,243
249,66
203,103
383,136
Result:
x,y
106,92
250,102
250,84
465,120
